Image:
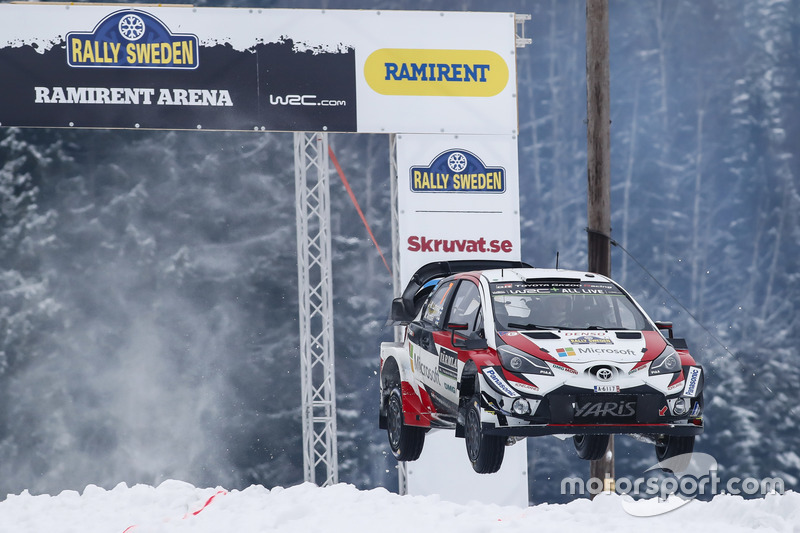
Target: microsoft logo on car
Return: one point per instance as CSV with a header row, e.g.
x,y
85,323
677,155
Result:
x,y
565,352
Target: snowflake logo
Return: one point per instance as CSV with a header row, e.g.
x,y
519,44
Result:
x,y
131,27
457,162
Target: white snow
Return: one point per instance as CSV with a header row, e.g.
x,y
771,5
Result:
x,y
179,506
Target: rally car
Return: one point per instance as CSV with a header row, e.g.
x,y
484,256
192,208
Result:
x,y
499,351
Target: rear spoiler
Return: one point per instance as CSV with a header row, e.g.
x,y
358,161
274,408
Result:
x,y
406,306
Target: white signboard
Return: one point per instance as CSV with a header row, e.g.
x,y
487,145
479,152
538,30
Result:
x,y
444,469
107,66
438,72
458,198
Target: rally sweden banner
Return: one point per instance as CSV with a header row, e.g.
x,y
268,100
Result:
x,y
131,69
103,66
458,198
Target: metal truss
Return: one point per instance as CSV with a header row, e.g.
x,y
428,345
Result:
x,y
519,23
312,208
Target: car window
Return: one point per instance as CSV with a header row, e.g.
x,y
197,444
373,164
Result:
x,y
434,310
532,304
466,308
625,316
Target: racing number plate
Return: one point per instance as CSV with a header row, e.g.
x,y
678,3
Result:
x,y
606,388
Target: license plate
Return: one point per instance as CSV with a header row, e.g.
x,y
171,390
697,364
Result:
x,y
606,388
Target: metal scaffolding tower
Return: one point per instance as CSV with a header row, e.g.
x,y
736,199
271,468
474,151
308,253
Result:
x,y
312,196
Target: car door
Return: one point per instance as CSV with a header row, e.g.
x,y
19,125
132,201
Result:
x,y
454,303
424,351
463,323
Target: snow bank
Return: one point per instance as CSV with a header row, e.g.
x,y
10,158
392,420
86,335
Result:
x,y
178,506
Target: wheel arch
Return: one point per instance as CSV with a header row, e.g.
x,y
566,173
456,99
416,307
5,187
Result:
x,y
467,385
469,380
395,370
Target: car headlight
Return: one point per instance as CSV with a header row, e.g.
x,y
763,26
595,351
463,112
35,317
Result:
x,y
518,361
666,363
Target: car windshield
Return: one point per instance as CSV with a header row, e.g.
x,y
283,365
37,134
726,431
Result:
x,y
567,304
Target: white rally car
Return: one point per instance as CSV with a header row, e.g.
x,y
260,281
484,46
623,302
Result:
x,y
500,351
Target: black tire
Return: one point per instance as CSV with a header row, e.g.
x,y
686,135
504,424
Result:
x,y
405,441
591,447
485,452
674,452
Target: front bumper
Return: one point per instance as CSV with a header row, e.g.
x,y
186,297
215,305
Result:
x,y
573,411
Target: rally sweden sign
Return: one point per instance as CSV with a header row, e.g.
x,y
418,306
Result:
x,y
131,39
461,200
101,66
458,171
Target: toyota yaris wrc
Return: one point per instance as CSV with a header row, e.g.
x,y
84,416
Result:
x,y
499,351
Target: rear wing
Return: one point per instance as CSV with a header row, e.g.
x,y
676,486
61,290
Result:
x,y
406,306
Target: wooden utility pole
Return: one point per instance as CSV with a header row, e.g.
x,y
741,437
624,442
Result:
x,y
599,170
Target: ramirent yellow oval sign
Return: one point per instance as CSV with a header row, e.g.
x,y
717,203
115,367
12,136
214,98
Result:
x,y
406,71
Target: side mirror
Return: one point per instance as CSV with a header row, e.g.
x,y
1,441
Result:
x,y
462,340
472,342
665,326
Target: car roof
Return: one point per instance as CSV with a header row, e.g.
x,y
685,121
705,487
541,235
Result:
x,y
550,274
406,306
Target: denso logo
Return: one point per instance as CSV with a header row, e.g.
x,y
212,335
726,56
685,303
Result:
x,y
132,39
416,72
457,171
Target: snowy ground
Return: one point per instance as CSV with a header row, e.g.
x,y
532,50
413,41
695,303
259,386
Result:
x,y
178,506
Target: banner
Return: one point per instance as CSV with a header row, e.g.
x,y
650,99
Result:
x,y
102,66
458,198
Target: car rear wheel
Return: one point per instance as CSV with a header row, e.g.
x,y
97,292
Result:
x,y
591,447
674,453
405,441
484,451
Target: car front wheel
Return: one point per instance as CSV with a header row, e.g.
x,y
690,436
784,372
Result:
x,y
405,441
674,453
591,447
484,451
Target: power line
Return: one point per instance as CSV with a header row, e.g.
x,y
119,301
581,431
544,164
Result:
x,y
744,366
